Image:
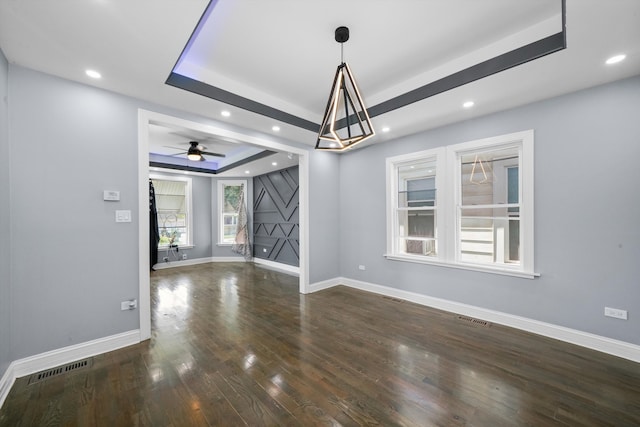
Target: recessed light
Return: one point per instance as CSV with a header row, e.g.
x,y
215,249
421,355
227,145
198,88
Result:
x,y
468,104
274,163
247,171
93,74
386,129
615,59
225,113
275,128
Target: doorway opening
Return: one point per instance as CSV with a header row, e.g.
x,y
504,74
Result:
x,y
147,118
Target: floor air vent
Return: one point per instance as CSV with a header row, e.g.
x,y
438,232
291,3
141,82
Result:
x,y
392,299
472,321
60,370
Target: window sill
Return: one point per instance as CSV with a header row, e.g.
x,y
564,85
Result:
x,y
470,267
165,248
224,244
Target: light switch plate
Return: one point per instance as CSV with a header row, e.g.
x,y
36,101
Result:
x,y
123,216
111,195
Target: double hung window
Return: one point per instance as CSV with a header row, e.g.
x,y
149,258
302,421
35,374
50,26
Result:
x,y
229,192
467,205
173,204
415,209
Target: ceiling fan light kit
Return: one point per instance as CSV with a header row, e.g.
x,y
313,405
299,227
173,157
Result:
x,y
346,121
196,151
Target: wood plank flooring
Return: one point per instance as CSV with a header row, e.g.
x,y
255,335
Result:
x,y
234,344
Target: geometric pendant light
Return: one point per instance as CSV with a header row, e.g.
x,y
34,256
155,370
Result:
x,y
346,121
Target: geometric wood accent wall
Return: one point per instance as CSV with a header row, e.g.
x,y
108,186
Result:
x,y
276,227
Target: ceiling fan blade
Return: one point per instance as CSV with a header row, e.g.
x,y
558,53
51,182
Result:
x,y
202,159
213,154
178,154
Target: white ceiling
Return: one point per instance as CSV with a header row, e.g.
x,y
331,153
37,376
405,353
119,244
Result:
x,y
282,53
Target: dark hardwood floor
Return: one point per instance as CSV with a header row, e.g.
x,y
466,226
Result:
x,y
235,344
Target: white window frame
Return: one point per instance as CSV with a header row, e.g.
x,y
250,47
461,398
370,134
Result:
x,y
188,204
448,201
393,232
220,209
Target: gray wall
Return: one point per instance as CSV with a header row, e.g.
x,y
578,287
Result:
x,y
587,207
202,222
325,223
71,263
5,226
201,204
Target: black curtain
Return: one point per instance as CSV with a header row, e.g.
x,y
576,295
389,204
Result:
x,y
154,233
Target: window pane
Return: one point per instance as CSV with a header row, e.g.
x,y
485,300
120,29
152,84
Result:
x,y
416,189
489,236
171,206
229,233
230,219
230,194
489,177
417,184
417,223
231,198
173,235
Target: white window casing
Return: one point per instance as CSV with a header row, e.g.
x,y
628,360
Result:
x,y
457,247
220,227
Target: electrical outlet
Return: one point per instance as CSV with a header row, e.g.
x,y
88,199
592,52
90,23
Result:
x,y
361,267
129,305
184,256
165,259
615,312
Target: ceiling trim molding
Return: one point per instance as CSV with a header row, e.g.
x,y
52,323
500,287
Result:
x,y
519,56
532,51
213,92
181,168
249,159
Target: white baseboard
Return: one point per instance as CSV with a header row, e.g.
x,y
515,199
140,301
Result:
x,y
6,382
325,284
62,356
292,269
183,262
595,342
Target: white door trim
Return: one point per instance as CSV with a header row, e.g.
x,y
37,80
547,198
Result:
x,y
146,117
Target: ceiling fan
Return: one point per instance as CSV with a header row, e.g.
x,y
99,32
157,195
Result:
x,y
196,151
